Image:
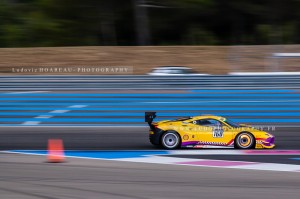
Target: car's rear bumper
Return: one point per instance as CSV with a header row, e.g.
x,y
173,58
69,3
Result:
x,y
155,135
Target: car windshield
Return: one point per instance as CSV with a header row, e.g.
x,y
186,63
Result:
x,y
231,123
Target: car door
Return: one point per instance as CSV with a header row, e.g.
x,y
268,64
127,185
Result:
x,y
213,132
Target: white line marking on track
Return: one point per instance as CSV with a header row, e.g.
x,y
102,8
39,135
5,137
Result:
x,y
59,111
31,123
181,161
77,106
43,116
49,116
269,167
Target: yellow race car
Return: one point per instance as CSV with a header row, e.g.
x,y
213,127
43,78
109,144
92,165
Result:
x,y
204,131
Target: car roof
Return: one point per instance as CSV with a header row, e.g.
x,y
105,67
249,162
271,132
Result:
x,y
208,116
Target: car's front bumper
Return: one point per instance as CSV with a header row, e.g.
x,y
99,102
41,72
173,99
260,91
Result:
x,y
267,143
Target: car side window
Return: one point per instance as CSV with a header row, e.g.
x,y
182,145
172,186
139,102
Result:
x,y
215,122
207,122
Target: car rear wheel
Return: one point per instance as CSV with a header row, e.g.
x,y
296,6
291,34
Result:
x,y
170,140
244,140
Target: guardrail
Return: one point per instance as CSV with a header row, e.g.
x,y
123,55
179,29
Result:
x,y
148,82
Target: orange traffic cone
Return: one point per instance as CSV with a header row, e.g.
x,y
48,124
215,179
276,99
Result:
x,y
55,151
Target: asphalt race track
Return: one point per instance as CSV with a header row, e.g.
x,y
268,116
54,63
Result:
x,y
29,177
101,123
107,138
34,178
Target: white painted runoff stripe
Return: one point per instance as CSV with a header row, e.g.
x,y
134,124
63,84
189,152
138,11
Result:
x,y
214,163
59,111
31,123
43,116
269,167
77,106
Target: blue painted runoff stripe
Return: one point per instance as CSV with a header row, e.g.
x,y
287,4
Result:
x,y
133,103
160,104
138,120
295,158
157,109
168,103
99,154
141,114
97,95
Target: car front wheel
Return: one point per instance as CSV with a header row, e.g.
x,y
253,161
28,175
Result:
x,y
244,140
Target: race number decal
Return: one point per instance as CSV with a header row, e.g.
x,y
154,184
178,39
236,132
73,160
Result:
x,y
218,132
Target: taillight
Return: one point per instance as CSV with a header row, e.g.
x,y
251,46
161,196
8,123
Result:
x,y
153,127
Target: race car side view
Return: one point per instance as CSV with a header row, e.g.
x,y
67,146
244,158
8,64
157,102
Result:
x,y
205,130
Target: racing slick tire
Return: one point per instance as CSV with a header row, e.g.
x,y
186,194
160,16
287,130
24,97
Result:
x,y
170,140
244,140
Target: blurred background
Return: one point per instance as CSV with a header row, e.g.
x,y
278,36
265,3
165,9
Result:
x,y
39,23
210,36
204,42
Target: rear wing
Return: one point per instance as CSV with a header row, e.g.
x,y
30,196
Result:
x,y
149,117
